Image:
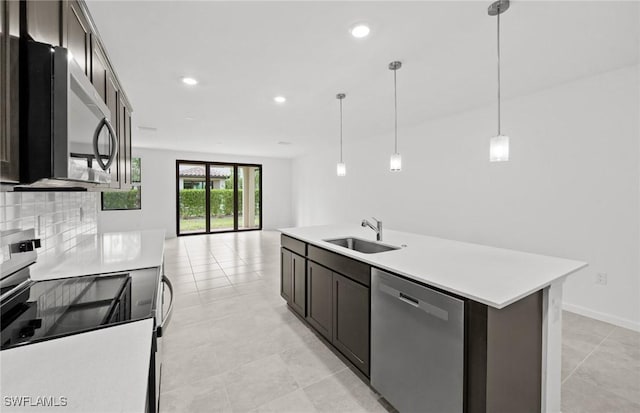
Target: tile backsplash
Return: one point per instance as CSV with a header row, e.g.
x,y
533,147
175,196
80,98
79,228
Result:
x,y
58,218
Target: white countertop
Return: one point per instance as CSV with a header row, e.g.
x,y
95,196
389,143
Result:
x,y
103,253
100,371
493,276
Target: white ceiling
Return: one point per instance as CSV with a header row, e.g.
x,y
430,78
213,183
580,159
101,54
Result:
x,y
245,53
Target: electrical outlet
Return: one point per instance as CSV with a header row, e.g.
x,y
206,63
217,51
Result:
x,y
601,278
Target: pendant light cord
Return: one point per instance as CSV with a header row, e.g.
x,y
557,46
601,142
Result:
x,y
340,130
395,104
499,108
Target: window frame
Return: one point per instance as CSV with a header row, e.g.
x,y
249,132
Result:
x,y
207,164
134,184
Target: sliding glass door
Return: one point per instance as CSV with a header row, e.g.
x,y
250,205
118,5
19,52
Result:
x,y
249,197
217,197
222,199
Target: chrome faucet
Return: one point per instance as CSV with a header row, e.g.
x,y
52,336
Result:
x,y
377,228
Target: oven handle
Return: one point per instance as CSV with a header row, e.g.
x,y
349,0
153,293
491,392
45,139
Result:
x,y
166,318
114,143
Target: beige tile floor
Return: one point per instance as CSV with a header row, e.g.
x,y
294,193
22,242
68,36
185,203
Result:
x,y
233,345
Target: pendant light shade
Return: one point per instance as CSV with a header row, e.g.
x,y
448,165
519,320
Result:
x,y
499,144
499,149
341,168
395,162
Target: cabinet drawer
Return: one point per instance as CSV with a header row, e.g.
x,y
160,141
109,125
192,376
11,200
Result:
x,y
294,245
356,270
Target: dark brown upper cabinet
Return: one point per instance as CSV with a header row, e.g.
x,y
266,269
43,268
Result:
x,y
98,69
69,24
78,36
124,150
111,92
44,21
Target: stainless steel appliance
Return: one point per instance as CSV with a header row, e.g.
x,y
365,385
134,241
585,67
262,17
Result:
x,y
67,137
34,311
417,345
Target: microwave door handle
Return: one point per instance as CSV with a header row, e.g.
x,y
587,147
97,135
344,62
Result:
x,y
114,144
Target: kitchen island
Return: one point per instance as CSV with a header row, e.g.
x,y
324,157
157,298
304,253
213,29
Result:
x,y
512,306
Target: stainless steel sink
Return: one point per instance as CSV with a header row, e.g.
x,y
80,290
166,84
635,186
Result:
x,y
361,245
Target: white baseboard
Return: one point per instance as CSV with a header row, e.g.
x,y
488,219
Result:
x,y
607,318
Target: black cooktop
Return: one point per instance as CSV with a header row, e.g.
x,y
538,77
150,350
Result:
x,y
55,308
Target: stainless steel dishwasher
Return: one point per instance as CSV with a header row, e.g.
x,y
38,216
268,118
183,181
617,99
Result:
x,y
417,346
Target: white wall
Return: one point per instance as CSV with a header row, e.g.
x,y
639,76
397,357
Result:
x,y
159,191
570,190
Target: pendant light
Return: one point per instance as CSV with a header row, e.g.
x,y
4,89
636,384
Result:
x,y
499,144
395,163
341,168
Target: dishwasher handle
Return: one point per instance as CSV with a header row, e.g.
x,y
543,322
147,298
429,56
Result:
x,y
409,300
414,302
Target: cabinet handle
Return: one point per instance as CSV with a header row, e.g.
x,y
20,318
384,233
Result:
x,y
114,144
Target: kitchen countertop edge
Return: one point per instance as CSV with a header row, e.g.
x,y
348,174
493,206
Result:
x,y
498,300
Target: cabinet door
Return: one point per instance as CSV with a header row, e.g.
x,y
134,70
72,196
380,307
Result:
x,y
112,103
351,320
9,91
44,20
286,274
98,69
124,134
78,36
128,176
319,304
299,289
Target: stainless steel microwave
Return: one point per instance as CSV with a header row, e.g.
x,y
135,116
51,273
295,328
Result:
x,y
67,138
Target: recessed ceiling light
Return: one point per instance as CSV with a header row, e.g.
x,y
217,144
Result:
x,y
284,143
189,81
359,31
280,99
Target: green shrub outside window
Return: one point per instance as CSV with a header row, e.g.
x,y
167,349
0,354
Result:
x,y
123,200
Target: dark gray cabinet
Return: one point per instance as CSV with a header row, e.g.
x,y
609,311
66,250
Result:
x,y
286,274
299,271
293,280
337,298
320,299
351,320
